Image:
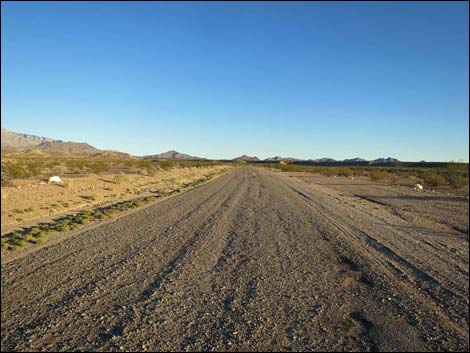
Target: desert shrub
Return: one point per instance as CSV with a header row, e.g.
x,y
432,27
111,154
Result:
x,y
76,164
346,172
34,231
167,164
40,235
433,178
457,174
99,167
145,164
4,244
457,181
358,171
62,227
15,170
457,168
73,225
119,179
35,169
404,173
376,175
328,171
52,163
16,241
84,220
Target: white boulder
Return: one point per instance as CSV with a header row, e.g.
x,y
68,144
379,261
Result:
x,y
419,187
55,179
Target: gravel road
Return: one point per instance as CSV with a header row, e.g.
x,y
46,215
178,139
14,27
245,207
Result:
x,y
254,260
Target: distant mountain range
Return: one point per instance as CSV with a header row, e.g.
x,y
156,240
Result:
x,y
354,160
24,144
279,159
331,160
13,140
323,160
385,160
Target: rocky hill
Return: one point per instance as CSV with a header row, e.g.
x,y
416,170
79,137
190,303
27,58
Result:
x,y
385,160
12,140
246,158
173,155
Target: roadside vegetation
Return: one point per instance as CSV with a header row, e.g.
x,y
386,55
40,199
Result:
x,y
20,168
36,234
454,175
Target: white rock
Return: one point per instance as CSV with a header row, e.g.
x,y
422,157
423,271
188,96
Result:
x,y
419,187
55,179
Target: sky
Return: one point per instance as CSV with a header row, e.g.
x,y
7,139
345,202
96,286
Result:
x,y
222,79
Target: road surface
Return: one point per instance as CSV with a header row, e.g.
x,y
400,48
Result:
x,y
254,260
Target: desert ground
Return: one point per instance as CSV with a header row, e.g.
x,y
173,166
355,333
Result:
x,y
253,260
32,200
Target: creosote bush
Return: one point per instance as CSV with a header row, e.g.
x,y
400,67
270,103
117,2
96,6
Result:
x,y
167,164
377,175
433,178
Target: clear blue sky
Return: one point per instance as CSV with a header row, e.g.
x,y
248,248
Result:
x,y
219,80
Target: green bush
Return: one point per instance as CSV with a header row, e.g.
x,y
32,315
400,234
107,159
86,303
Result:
x,y
76,164
4,243
433,178
145,164
329,171
457,181
41,235
99,167
167,164
35,169
377,175
15,170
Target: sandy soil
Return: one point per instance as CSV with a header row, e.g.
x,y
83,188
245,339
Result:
x,y
31,201
253,260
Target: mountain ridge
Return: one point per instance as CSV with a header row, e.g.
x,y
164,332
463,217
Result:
x,y
173,155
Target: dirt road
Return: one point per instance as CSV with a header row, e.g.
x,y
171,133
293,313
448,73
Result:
x,y
254,260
